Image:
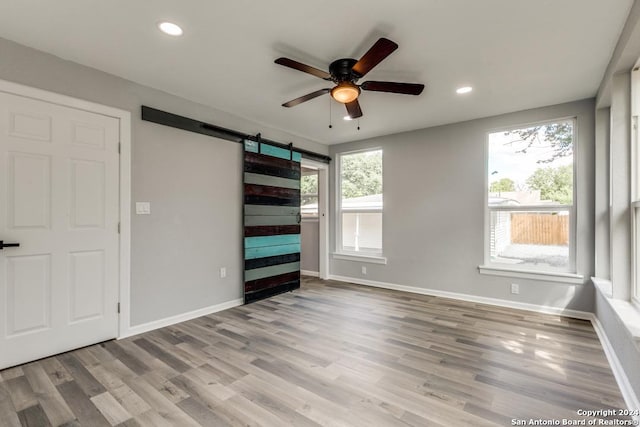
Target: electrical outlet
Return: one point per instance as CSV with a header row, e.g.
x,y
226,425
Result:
x,y
364,270
515,288
223,272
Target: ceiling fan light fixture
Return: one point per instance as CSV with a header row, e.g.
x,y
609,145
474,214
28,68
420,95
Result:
x,y
345,92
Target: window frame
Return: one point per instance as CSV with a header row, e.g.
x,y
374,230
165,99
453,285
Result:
x,y
634,205
530,271
634,293
340,252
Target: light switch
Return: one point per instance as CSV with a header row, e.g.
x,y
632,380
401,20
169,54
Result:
x,y
143,208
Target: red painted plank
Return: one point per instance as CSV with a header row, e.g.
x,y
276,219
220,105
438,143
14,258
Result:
x,y
267,190
270,282
262,159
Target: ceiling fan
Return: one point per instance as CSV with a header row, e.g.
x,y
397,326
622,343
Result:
x,y
346,72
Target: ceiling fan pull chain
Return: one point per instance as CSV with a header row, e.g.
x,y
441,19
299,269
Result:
x,y
330,125
358,124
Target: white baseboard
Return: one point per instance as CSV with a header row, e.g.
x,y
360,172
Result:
x,y
628,394
470,298
310,273
172,320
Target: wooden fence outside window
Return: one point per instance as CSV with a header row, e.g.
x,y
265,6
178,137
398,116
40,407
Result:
x,y
539,229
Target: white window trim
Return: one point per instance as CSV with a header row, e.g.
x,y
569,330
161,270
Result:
x,y
354,256
340,253
634,292
568,276
546,275
627,312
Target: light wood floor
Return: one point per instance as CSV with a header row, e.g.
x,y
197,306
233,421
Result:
x,y
329,354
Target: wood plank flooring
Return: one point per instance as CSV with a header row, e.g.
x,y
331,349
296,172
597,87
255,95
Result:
x,y
329,354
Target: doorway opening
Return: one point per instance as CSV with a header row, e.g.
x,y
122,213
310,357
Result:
x,y
314,183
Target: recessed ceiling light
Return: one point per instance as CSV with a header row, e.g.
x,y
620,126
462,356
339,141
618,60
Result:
x,y
464,89
170,28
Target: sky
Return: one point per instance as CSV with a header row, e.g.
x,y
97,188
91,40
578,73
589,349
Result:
x,y
505,162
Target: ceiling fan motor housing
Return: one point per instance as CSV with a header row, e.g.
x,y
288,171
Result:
x,y
341,70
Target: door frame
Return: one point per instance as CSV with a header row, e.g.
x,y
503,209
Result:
x,y
124,182
323,215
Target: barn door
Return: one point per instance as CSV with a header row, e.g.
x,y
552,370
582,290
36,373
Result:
x,y
271,220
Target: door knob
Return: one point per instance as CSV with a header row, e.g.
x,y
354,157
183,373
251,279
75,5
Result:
x,y
8,245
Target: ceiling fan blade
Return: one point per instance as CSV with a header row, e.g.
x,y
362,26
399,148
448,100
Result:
x,y
379,51
393,87
303,67
353,109
306,98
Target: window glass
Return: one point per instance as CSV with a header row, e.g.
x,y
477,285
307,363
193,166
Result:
x,y
309,193
361,202
530,197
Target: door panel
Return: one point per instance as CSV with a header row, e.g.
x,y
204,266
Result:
x,y
87,194
29,203
271,220
88,135
86,274
32,126
59,198
28,294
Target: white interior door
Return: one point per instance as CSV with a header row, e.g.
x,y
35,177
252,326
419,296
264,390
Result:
x,y
59,186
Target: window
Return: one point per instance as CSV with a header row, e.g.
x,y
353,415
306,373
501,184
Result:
x,y
360,203
309,193
530,198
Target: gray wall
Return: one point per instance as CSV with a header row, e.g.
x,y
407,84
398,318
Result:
x,y
192,181
310,234
433,220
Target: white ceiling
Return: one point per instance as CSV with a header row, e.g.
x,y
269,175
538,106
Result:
x,y
517,54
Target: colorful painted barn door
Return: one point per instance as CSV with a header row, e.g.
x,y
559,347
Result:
x,y
271,220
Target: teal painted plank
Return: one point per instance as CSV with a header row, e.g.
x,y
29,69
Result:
x,y
262,241
253,253
255,220
273,270
271,210
281,153
250,146
270,150
272,181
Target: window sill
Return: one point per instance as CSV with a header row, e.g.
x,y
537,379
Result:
x,y
372,259
627,312
571,278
